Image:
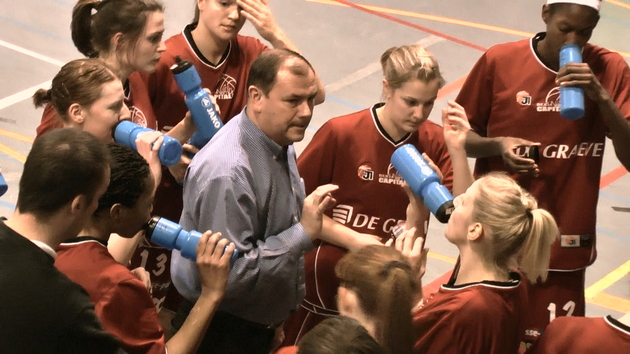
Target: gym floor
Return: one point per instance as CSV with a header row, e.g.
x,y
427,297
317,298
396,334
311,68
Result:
x,y
343,41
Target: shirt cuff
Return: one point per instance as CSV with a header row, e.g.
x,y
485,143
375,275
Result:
x,y
298,240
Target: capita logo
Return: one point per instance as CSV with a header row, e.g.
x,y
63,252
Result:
x,y
391,177
552,101
366,173
523,98
344,214
227,85
137,116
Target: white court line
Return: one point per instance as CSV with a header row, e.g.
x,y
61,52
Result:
x,y
374,67
22,95
31,53
28,93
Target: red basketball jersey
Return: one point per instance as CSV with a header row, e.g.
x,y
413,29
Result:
x,y
517,96
603,335
480,317
354,152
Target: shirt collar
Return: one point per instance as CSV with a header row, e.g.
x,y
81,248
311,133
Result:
x,y
255,135
44,247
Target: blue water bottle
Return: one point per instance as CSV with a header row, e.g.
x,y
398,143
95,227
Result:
x,y
3,185
171,235
571,97
424,182
126,133
203,112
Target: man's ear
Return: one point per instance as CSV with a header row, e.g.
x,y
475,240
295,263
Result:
x,y
255,96
475,231
76,113
79,204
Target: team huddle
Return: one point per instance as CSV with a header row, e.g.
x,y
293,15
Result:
x,y
329,246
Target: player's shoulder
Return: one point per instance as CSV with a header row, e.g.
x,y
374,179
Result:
x,y
507,49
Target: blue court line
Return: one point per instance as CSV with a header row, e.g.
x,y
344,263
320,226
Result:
x,y
344,102
614,197
7,205
41,32
622,238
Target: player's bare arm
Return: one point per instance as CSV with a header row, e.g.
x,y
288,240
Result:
x,y
580,74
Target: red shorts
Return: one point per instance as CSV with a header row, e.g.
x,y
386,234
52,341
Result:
x,y
561,295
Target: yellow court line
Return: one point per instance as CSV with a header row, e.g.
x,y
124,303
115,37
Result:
x,y
16,136
607,281
16,155
611,302
619,3
442,257
444,20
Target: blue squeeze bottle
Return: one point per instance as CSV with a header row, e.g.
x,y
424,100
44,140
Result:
x,y
198,101
424,182
126,132
571,97
3,185
170,235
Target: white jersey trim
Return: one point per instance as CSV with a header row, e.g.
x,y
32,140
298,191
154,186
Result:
x,y
378,129
614,326
531,48
203,61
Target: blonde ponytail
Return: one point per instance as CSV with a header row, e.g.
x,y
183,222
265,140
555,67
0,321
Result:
x,y
535,253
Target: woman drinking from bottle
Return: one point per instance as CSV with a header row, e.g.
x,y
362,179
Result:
x,y
122,302
504,240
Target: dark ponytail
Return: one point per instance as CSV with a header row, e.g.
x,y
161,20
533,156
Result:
x,y
81,27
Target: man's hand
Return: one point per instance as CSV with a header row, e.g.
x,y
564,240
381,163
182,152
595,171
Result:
x,y
213,263
313,209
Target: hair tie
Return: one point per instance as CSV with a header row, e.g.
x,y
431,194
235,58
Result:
x,y
528,212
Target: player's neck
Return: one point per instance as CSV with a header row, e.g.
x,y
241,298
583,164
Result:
x,y
211,47
473,269
97,228
384,117
551,60
113,60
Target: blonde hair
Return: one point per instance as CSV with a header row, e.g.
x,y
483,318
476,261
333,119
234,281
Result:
x,y
384,284
408,62
521,233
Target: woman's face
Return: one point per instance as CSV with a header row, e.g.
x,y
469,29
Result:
x,y
222,18
146,52
411,104
102,116
461,218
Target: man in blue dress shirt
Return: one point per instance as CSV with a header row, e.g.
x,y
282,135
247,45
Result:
x,y
245,184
